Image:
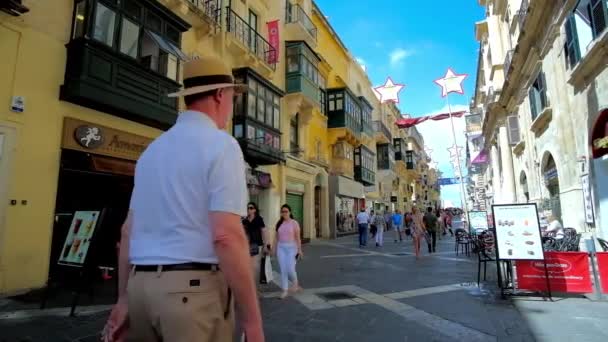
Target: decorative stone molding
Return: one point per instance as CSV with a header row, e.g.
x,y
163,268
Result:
x,y
541,123
519,148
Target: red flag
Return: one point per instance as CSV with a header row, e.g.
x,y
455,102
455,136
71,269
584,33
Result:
x,y
447,115
273,39
407,123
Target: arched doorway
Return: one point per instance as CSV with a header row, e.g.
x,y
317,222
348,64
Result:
x,y
523,183
551,179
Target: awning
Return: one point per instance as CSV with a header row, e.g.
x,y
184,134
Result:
x,y
167,46
599,135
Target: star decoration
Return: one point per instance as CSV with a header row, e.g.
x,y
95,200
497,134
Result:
x,y
451,83
389,92
452,150
433,165
428,150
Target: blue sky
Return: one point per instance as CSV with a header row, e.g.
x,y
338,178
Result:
x,y
395,38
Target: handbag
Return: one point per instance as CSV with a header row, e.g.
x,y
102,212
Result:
x,y
267,267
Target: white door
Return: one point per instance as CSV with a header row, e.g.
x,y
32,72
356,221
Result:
x,y
7,143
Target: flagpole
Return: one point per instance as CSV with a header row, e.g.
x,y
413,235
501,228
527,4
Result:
x,y
463,199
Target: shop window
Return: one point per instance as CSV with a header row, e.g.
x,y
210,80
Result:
x,y
105,23
538,95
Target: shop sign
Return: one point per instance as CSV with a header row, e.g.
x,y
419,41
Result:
x,y
587,199
599,135
602,265
478,219
78,239
568,272
89,137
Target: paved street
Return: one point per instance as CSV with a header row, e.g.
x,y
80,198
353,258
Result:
x,y
375,294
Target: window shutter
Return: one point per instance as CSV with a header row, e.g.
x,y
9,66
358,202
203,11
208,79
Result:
x,y
599,13
513,129
532,99
543,90
573,51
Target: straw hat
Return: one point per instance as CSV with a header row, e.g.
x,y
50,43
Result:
x,y
207,73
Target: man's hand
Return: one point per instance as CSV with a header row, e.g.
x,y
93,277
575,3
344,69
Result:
x,y
118,323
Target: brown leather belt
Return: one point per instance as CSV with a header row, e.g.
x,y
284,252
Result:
x,y
191,266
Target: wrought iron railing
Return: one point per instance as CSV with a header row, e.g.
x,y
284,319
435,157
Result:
x,y
249,37
379,126
212,9
507,63
296,14
522,12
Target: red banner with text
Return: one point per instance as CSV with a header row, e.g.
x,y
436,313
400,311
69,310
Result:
x,y
568,272
273,39
602,265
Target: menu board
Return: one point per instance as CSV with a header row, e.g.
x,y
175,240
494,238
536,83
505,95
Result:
x,y
517,232
478,220
78,239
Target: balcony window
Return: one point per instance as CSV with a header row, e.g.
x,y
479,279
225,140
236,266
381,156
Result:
x,y
409,160
263,104
246,32
302,70
386,156
586,23
296,14
343,150
293,134
123,58
538,95
323,101
105,24
365,165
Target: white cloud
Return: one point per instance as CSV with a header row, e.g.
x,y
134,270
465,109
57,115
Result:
x,y
398,55
438,136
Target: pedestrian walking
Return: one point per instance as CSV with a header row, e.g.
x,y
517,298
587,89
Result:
x,y
288,246
388,219
430,222
259,242
448,222
372,226
363,221
380,224
184,253
397,225
417,230
407,219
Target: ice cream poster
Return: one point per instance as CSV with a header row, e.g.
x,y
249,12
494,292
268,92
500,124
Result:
x,y
517,232
78,239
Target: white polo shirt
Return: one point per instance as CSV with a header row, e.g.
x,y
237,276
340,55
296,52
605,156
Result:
x,y
188,171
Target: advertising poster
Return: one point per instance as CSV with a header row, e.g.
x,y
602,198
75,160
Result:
x,y
478,220
517,232
602,265
568,272
78,239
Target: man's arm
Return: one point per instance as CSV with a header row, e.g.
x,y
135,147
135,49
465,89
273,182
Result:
x,y
124,266
232,250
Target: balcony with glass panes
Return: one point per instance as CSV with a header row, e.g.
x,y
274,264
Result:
x,y
400,148
365,166
256,122
367,126
386,157
123,58
410,160
344,111
302,77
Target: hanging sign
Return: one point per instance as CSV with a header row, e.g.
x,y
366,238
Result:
x,y
78,239
448,181
517,232
568,272
273,39
587,199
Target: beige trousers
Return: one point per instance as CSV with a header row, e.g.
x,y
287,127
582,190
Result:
x,y
180,306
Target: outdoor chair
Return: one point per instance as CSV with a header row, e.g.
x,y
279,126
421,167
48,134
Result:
x,y
484,247
463,242
603,244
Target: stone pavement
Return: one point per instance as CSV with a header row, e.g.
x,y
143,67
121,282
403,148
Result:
x,y
372,294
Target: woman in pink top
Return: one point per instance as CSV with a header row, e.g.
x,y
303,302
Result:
x,y
288,247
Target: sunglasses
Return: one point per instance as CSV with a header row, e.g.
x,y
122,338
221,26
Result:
x,y
250,208
284,211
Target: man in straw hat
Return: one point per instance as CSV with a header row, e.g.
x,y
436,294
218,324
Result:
x,y
184,254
